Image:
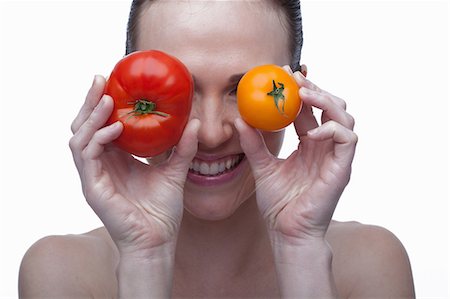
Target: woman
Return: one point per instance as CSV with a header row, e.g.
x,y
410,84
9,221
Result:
x,y
261,229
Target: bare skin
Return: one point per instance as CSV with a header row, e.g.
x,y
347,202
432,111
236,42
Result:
x,y
92,258
266,233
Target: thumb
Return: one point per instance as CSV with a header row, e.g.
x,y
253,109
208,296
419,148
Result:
x,y
254,147
185,150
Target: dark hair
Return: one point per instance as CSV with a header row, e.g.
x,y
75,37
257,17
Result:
x,y
291,9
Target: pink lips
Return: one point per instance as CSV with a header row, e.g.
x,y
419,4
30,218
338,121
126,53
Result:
x,y
214,180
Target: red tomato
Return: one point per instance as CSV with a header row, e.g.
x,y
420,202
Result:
x,y
152,93
268,98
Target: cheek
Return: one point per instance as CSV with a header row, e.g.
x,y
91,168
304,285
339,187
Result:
x,y
274,141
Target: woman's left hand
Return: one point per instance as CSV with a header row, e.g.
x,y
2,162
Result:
x,y
297,196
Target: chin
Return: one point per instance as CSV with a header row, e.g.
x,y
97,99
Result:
x,y
219,204
212,208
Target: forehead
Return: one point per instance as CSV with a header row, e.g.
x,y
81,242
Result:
x,y
216,32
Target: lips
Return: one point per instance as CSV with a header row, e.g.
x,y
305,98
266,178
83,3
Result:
x,y
215,171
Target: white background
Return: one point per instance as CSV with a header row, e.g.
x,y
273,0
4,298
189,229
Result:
x,y
387,59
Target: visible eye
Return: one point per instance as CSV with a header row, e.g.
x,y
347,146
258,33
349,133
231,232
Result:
x,y
233,91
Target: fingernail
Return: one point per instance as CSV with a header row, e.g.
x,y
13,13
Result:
x,y
288,69
94,80
299,75
304,70
195,124
238,123
116,125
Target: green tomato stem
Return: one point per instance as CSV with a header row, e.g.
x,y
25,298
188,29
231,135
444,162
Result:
x,y
278,96
144,107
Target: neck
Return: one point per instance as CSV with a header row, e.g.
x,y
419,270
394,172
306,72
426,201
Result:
x,y
233,245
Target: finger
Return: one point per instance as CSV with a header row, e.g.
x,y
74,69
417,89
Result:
x,y
93,97
101,138
253,145
288,69
305,121
92,165
96,120
331,110
185,150
343,138
303,82
95,183
304,70
85,160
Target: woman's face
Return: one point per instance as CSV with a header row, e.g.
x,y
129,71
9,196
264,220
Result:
x,y
218,41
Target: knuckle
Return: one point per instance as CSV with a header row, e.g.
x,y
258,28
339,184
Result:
x,y
323,97
354,138
313,86
341,103
322,101
74,126
333,125
74,143
351,121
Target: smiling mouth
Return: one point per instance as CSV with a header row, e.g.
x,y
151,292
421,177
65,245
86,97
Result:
x,y
215,168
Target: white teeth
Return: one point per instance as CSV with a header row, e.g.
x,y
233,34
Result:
x,y
204,168
221,166
195,166
213,168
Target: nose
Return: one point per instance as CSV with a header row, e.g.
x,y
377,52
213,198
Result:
x,y
216,121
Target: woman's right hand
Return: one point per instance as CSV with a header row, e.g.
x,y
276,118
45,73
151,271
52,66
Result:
x,y
140,205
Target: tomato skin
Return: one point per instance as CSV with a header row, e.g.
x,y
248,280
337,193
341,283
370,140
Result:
x,y
157,77
261,110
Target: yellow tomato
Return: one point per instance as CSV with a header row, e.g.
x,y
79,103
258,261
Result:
x,y
268,98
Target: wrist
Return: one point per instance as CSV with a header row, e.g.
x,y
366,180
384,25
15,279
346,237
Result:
x,y
146,275
147,253
311,251
304,268
306,241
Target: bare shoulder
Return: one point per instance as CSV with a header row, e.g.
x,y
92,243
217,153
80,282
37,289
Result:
x,y
69,266
369,261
